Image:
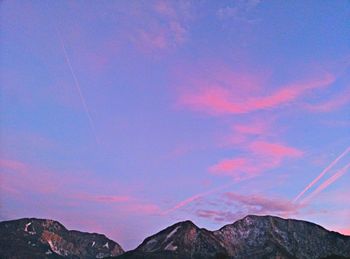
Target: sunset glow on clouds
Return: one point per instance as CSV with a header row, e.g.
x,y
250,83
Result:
x,y
123,117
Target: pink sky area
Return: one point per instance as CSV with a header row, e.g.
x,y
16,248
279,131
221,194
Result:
x,y
123,117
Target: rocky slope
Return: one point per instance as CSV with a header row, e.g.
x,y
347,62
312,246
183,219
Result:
x,y
183,239
42,238
273,237
251,237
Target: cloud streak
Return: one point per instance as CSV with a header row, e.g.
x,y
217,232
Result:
x,y
260,156
274,149
193,198
216,99
327,182
77,85
329,167
249,204
332,104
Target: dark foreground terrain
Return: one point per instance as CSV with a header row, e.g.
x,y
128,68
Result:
x,y
251,237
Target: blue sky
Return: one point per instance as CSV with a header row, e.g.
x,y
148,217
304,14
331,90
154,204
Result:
x,y
123,117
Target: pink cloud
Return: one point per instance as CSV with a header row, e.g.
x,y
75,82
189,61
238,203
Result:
x,y
274,149
195,197
241,168
163,28
243,133
238,10
219,99
219,215
143,208
330,105
112,198
179,150
228,165
102,198
262,203
184,203
12,165
252,128
26,179
263,156
122,204
152,40
249,204
164,8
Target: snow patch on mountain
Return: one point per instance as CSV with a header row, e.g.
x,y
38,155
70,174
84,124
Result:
x,y
28,231
53,247
172,233
170,247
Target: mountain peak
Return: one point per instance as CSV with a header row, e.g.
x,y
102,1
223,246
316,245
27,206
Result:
x,y
181,238
186,224
45,238
250,237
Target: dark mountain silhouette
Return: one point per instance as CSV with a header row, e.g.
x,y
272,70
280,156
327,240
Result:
x,y
43,238
251,237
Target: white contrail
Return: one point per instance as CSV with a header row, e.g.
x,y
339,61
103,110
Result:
x,y
77,84
195,197
328,182
321,174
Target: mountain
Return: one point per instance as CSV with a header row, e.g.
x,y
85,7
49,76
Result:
x,y
251,237
43,238
271,237
182,240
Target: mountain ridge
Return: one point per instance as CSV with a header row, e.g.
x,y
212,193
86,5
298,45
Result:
x,y
46,238
250,237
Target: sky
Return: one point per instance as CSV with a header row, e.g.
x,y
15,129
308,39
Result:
x,y
123,117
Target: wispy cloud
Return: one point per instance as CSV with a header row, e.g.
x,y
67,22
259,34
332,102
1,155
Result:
x,y
238,10
164,27
242,205
222,100
102,198
13,165
257,127
195,197
261,156
19,178
332,104
274,149
228,165
126,203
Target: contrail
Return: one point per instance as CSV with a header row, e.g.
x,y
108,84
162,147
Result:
x,y
194,197
322,174
76,81
328,182
77,84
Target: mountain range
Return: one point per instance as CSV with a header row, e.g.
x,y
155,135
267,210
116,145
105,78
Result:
x,y
251,237
43,238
